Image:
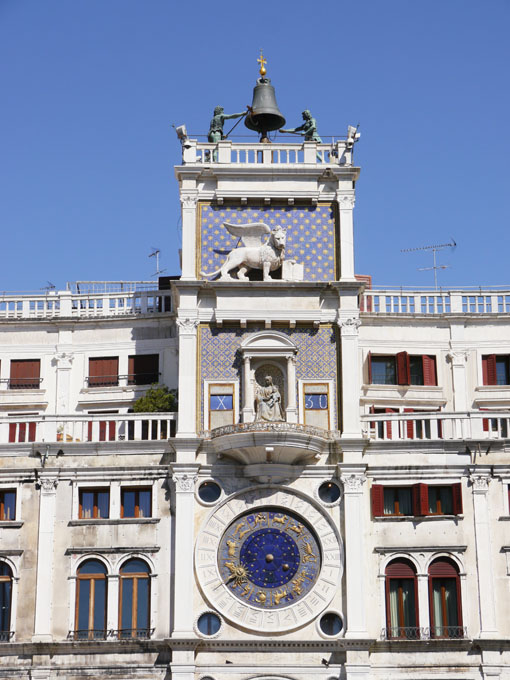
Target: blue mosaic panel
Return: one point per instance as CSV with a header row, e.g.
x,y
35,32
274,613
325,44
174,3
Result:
x,y
220,356
310,235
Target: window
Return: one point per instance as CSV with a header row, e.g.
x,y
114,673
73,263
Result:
x,y
25,374
91,591
445,603
402,369
496,369
136,502
417,500
7,505
5,601
401,600
94,504
103,371
143,369
134,600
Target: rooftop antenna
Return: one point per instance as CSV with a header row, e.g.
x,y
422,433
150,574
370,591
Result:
x,y
49,286
155,253
434,248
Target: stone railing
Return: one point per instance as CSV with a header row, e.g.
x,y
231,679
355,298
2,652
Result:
x,y
276,427
300,153
71,429
420,302
437,426
65,304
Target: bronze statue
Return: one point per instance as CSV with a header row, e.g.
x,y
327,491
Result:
x,y
308,129
217,122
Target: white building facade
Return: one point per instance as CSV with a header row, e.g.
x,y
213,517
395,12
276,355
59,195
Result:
x,y
331,499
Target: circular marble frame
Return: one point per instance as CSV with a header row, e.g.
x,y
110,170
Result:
x,y
221,598
209,504
334,504
203,635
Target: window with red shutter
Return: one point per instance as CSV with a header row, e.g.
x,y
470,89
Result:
x,y
25,374
409,424
377,492
403,369
420,500
489,371
143,369
457,499
429,370
103,371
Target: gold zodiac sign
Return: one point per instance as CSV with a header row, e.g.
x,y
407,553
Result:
x,y
246,591
261,597
231,548
243,533
298,581
238,573
238,528
297,529
278,596
309,555
259,518
280,520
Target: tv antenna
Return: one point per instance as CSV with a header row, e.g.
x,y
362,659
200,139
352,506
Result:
x,y
435,249
49,286
155,253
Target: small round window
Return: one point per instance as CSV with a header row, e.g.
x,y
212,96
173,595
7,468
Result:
x,y
209,491
329,492
331,624
208,623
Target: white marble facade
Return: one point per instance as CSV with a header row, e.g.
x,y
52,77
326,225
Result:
x,y
362,533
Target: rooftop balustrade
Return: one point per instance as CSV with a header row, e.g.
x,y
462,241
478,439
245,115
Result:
x,y
67,304
423,302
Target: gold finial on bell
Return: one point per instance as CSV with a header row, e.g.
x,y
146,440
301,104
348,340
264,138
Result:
x,y
262,63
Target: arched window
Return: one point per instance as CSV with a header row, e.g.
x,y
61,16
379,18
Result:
x,y
401,600
91,590
134,600
5,601
445,604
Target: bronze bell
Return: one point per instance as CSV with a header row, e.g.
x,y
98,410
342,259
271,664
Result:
x,y
264,114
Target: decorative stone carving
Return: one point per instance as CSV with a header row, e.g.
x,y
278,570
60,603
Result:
x,y
188,326
189,201
268,401
48,484
184,481
353,482
263,249
261,426
458,358
350,326
346,201
480,483
63,360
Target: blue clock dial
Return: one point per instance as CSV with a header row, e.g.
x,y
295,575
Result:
x,y
269,558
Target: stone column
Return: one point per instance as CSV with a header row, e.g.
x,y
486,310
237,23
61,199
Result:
x,y
349,323
353,479
423,601
248,414
291,409
44,585
189,225
64,363
184,478
346,205
485,569
187,423
458,361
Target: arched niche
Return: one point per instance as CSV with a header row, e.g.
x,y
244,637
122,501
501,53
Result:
x,y
273,353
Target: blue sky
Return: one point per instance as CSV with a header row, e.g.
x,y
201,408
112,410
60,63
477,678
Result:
x,y
90,89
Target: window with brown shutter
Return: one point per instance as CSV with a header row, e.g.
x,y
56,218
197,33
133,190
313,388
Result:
x,y
496,369
143,369
418,500
25,374
103,371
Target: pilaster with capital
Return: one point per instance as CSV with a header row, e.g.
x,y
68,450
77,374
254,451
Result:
x,y
189,225
346,202
184,478
458,360
44,598
480,479
353,479
187,376
349,323
64,363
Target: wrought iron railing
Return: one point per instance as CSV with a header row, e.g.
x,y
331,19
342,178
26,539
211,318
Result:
x,y
6,635
402,633
22,383
86,635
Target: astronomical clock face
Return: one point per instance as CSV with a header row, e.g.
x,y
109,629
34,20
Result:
x,y
269,558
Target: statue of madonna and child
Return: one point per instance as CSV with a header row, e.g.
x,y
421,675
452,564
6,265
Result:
x,y
268,402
